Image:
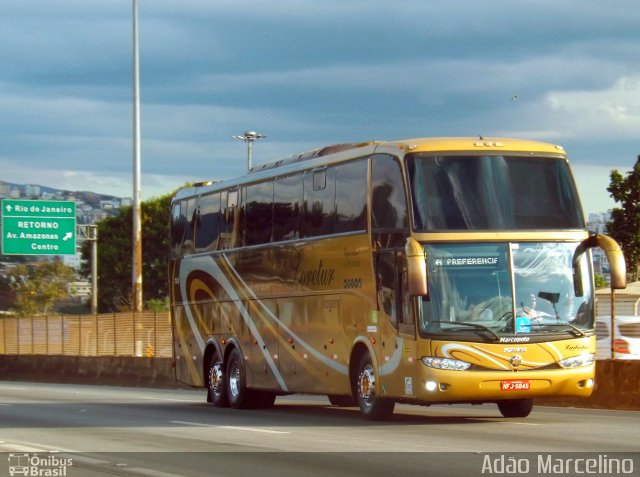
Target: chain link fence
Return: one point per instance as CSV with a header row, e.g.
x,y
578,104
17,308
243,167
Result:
x,y
146,334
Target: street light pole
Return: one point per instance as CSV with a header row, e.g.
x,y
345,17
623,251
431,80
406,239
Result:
x,y
249,137
136,265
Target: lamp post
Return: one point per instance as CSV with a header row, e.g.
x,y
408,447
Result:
x,y
136,265
249,137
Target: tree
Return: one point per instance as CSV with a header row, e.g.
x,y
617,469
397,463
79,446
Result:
x,y
38,285
624,226
115,255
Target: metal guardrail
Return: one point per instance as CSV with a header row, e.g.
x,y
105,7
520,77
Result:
x,y
146,334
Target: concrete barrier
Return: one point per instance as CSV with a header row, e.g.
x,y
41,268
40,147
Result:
x,y
110,370
617,381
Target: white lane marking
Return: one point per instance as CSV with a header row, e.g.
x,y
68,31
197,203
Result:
x,y
237,428
254,429
520,423
21,448
25,446
149,398
187,423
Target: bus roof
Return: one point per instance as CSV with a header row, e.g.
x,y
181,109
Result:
x,y
341,152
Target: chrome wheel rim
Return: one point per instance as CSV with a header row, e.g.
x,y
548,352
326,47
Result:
x,y
234,380
367,385
215,378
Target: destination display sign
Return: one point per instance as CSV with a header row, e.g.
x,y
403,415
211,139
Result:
x,y
38,227
467,261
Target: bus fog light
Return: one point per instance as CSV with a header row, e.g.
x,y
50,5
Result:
x,y
586,383
578,361
431,386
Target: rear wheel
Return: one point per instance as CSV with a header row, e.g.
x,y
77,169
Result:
x,y
236,381
515,407
216,385
372,406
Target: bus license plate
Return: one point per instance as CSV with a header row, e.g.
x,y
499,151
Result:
x,y
521,385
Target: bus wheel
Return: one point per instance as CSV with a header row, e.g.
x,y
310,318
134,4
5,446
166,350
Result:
x,y
236,382
372,406
342,401
217,393
515,407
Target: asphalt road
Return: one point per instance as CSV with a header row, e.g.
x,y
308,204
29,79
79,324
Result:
x,y
153,432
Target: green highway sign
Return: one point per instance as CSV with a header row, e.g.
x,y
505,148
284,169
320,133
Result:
x,y
38,227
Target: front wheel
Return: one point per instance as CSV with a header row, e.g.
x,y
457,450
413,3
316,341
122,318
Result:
x,y
515,407
372,406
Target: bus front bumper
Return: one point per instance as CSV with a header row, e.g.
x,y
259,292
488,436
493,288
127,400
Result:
x,y
437,385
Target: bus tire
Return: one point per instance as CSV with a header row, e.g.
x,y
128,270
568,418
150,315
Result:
x,y
216,382
236,382
373,407
515,407
342,401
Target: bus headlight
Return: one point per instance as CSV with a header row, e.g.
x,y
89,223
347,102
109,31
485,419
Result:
x,y
445,363
577,361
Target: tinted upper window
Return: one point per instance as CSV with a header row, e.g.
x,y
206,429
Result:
x,y
286,207
178,226
208,223
319,202
187,244
492,193
259,213
388,202
351,196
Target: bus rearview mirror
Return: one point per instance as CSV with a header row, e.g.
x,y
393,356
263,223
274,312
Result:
x,y
416,268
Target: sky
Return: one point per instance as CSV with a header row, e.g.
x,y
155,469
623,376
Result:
x,y
308,73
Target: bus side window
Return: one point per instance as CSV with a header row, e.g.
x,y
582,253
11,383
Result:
x,y
178,227
187,244
387,286
392,287
258,216
229,210
208,223
407,316
286,207
351,202
388,201
319,202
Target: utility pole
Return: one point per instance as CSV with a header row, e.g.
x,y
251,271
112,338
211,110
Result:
x,y
136,263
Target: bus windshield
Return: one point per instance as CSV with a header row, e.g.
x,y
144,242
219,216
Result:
x,y
505,289
492,192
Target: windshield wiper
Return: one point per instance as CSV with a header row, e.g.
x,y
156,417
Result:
x,y
471,325
578,331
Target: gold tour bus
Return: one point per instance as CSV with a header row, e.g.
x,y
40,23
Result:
x,y
423,271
